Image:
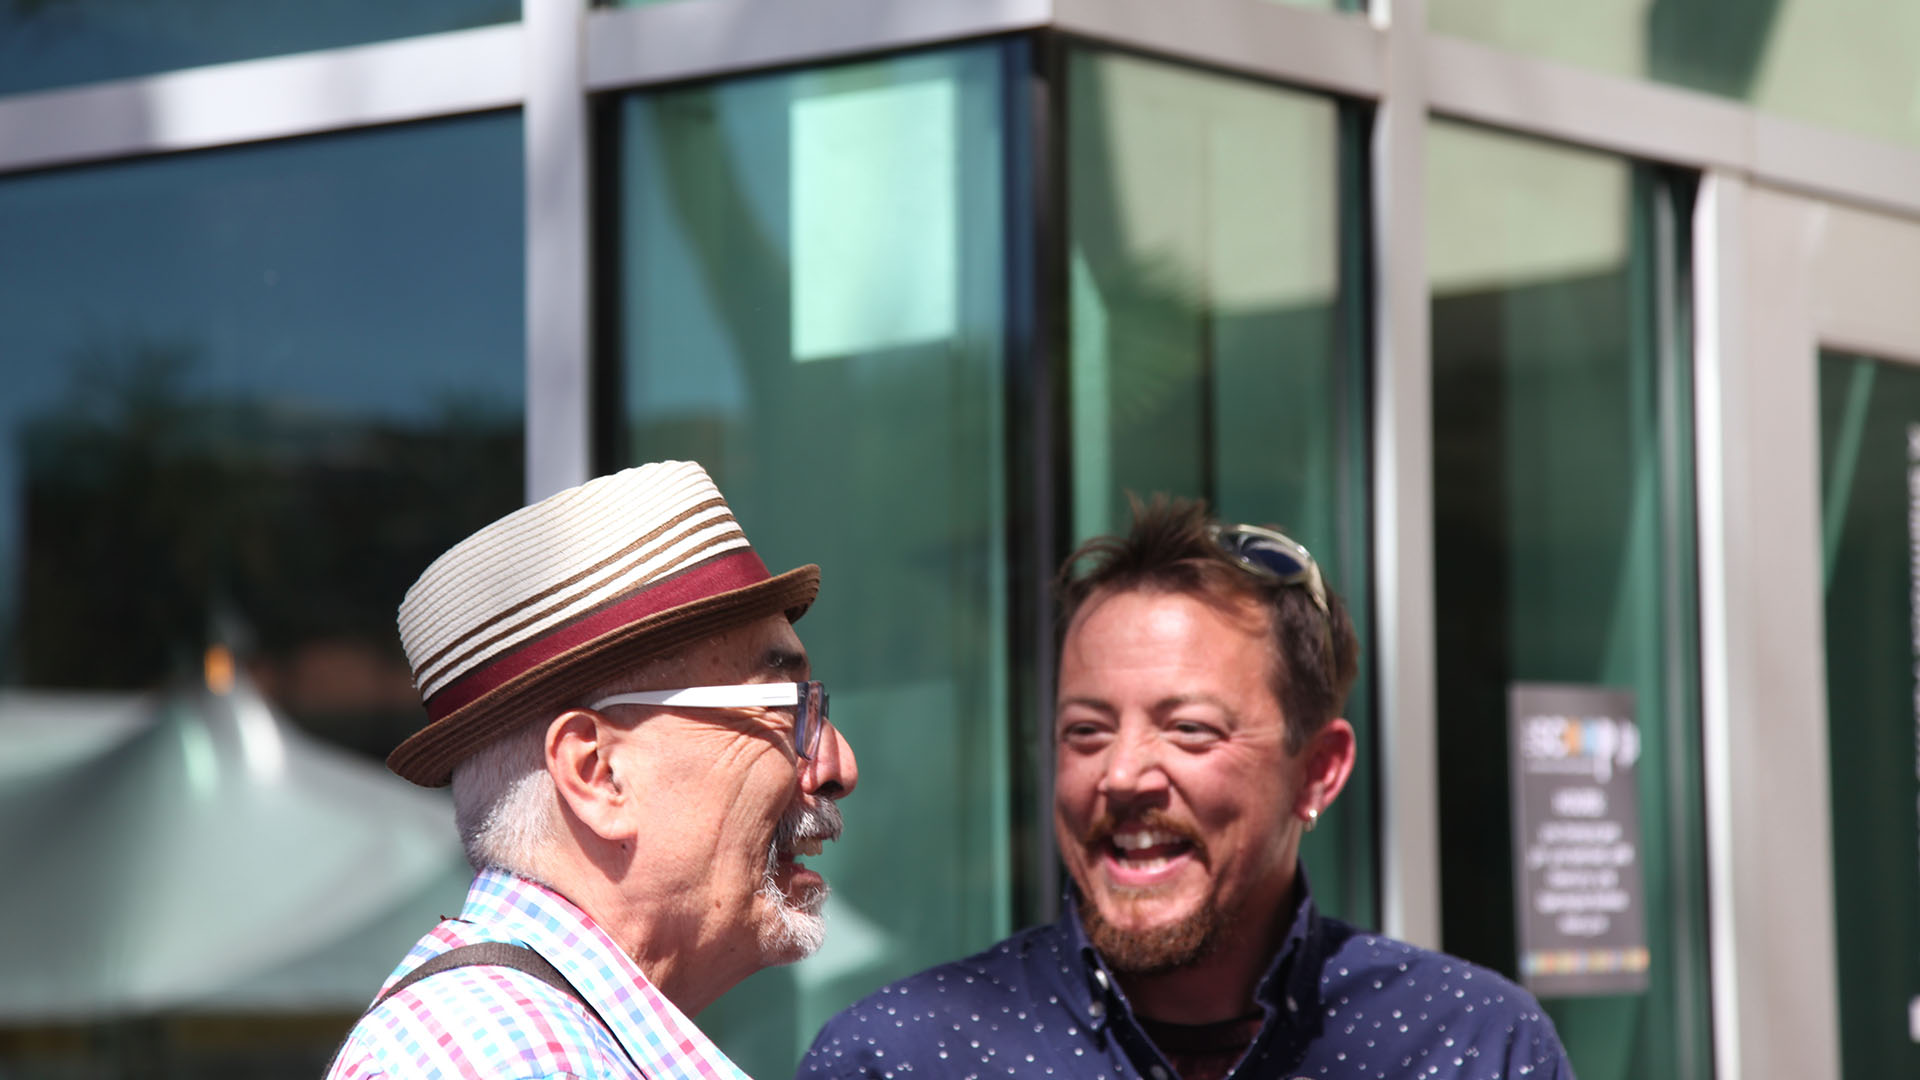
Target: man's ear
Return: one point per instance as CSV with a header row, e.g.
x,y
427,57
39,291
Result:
x,y
1325,763
579,753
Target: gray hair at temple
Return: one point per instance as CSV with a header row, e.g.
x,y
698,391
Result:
x,y
504,803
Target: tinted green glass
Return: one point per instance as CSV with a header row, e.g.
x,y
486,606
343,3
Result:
x,y
810,290
1563,547
1850,64
1328,4
1870,459
249,395
1211,347
49,43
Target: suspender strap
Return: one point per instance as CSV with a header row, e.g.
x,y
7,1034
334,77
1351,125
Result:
x,y
492,954
495,954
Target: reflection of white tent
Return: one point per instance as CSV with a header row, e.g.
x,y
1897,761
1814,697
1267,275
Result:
x,y
193,851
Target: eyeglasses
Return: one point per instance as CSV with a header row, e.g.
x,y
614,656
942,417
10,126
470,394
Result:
x,y
1274,556
807,699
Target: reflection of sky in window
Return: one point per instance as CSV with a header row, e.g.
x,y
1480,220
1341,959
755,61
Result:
x,y
873,219
375,276
693,364
683,360
72,41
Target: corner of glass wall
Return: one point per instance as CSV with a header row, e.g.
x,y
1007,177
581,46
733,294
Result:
x,y
806,291
250,394
1215,315
1564,558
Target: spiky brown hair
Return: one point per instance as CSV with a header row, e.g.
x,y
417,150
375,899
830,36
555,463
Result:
x,y
1169,549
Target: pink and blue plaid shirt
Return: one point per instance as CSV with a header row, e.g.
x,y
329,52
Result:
x,y
493,1022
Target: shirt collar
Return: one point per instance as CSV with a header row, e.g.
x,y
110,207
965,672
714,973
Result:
x,y
1289,986
659,1038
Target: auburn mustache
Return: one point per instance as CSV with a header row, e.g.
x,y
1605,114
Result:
x,y
1101,830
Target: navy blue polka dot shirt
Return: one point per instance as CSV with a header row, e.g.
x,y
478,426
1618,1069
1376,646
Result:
x,y
1338,1002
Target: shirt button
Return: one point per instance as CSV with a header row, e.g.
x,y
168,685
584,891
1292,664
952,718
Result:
x,y
1100,977
1158,1073
1096,1010
1292,1005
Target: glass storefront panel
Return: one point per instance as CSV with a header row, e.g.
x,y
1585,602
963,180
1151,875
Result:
x,y
1870,462
1563,548
250,394
49,43
1213,343
1330,5
809,282
1848,64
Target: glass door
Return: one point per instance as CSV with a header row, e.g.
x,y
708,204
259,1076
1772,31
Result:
x,y
1809,475
1870,528
1563,557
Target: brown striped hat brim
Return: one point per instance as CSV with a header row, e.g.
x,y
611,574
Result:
x,y
559,598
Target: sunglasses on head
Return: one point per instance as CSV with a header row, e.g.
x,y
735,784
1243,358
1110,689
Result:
x,y
1274,556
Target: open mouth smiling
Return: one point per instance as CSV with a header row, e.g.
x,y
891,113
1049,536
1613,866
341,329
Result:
x,y
1148,850
804,832
812,845
1144,853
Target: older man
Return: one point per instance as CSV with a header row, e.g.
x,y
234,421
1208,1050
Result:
x,y
1197,737
638,760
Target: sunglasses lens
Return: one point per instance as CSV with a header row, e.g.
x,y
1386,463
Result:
x,y
812,719
1265,555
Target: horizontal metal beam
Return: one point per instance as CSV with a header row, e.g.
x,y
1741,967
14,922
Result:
x,y
474,70
1647,120
1470,81
1341,53
271,98
693,39
1823,162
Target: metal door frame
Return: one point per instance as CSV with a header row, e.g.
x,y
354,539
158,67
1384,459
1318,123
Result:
x,y
1779,276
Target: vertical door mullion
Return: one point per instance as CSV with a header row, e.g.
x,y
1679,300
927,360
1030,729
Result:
x,y
558,354
1403,489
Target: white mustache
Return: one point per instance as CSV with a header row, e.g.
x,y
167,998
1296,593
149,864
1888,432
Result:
x,y
820,821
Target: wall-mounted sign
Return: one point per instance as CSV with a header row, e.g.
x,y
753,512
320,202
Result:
x,y
1576,840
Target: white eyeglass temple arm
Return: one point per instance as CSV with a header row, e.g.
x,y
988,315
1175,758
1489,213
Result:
x,y
739,696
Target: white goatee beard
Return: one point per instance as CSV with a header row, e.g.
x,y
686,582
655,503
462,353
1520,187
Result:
x,y
798,928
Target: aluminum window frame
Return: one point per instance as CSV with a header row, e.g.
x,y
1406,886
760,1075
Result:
x,y
495,67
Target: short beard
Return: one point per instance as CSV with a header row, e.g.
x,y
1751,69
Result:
x,y
798,928
1162,948
1155,951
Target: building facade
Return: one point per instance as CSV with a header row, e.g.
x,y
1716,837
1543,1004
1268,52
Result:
x,y
1579,342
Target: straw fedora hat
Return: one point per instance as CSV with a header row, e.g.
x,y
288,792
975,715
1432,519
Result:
x,y
557,598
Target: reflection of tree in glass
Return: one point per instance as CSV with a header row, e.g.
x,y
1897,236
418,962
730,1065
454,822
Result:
x,y
905,433
882,465
1158,312
1159,336
159,515
1709,45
